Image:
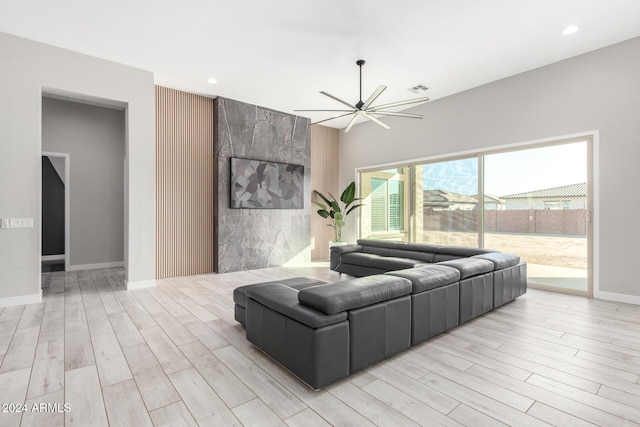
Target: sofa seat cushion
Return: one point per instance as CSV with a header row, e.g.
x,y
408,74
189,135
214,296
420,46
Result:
x,y
428,277
299,283
355,293
284,300
500,260
469,266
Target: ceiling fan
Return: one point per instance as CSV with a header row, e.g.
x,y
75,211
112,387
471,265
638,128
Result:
x,y
366,110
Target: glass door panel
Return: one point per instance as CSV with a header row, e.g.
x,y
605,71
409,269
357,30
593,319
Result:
x,y
445,202
536,206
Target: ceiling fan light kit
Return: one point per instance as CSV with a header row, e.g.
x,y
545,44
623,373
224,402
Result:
x,y
366,109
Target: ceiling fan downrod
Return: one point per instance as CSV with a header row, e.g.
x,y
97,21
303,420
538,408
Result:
x,y
360,63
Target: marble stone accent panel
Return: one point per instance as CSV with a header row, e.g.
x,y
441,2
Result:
x,y
257,238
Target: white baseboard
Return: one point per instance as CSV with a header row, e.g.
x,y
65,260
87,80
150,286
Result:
x,y
79,267
52,257
141,284
21,300
612,296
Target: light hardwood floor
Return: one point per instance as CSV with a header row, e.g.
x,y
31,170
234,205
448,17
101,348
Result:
x,y
174,356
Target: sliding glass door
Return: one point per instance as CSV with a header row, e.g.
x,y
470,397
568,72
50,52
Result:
x,y
541,212
532,201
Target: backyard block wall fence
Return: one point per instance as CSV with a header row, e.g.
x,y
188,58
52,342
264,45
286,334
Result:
x,y
563,222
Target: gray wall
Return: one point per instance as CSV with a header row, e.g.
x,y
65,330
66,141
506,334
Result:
x,y
29,68
599,90
95,139
258,238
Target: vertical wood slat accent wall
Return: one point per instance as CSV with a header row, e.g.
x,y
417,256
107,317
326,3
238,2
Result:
x,y
324,178
184,183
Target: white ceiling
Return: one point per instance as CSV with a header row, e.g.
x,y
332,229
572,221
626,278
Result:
x,y
281,53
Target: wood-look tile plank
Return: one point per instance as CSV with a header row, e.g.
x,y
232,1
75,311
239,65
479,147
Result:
x,y
498,410
471,417
13,312
596,401
230,389
78,349
278,398
7,330
307,418
139,316
576,409
173,415
170,357
503,360
434,398
13,389
125,330
155,387
332,409
256,413
173,328
556,417
31,316
205,335
405,404
21,350
168,303
111,363
205,405
98,320
124,405
52,325
84,395
47,374
45,411
372,408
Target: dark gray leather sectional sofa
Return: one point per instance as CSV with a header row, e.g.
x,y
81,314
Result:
x,y
324,332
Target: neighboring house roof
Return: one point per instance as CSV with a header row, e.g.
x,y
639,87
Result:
x,y
574,190
442,198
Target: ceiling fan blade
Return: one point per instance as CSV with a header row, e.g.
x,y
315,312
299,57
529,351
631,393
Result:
x,y
399,103
338,99
352,122
389,113
331,111
373,97
331,118
373,119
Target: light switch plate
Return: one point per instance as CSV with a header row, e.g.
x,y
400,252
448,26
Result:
x,y
4,223
21,222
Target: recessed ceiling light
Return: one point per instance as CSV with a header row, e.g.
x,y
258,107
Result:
x,y
570,30
212,81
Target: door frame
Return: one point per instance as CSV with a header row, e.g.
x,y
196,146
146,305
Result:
x,y
593,190
67,207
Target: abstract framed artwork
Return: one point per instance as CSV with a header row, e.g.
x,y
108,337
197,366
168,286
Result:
x,y
259,184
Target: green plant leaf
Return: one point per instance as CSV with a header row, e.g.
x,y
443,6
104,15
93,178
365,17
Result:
x,y
354,207
323,213
349,193
322,196
320,205
335,206
340,223
338,216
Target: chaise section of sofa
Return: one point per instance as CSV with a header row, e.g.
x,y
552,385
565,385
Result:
x,y
324,333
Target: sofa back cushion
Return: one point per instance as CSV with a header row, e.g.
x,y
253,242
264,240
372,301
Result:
x,y
355,293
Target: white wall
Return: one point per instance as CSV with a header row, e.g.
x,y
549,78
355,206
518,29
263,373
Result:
x,y
94,138
599,90
29,68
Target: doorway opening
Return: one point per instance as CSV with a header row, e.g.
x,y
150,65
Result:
x,y
90,197
55,211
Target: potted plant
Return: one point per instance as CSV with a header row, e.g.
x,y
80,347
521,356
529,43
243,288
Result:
x,y
336,211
